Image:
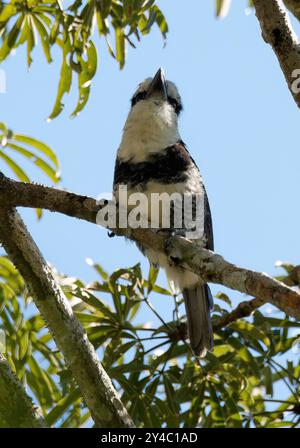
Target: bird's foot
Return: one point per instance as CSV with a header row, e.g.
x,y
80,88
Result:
x,y
172,232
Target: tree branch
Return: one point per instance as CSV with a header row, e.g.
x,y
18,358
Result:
x,y
70,337
208,265
293,278
16,407
294,7
244,309
213,268
278,32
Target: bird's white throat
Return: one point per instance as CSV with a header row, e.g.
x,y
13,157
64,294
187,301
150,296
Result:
x,y
151,127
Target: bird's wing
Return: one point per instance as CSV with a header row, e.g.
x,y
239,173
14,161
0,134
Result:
x,y
208,227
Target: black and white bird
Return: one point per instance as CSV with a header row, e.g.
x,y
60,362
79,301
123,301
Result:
x,y
152,158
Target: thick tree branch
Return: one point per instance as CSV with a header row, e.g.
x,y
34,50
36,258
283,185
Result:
x,y
278,32
214,269
244,309
209,266
70,337
21,194
16,407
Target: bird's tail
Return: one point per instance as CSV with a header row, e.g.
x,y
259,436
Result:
x,y
198,303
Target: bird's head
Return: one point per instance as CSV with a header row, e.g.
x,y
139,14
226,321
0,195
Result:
x,y
152,123
155,93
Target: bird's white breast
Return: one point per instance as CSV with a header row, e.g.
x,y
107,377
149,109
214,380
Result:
x,y
151,126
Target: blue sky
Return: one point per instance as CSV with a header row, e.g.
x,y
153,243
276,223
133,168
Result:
x,y
239,121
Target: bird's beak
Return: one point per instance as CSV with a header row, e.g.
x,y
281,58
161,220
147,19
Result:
x,y
158,85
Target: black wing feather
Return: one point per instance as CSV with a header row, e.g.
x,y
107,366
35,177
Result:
x,y
208,226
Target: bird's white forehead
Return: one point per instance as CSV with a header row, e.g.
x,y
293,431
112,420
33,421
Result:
x,y
171,88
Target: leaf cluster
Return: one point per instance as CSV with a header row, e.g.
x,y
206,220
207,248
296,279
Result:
x,y
160,382
73,29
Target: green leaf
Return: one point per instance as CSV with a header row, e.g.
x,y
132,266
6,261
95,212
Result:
x,y
222,349
44,166
222,8
43,36
250,330
224,297
7,12
268,381
64,85
161,21
100,271
21,175
24,345
153,273
102,25
30,40
152,388
159,290
39,380
171,402
3,128
42,147
88,298
11,39
61,407
120,46
88,70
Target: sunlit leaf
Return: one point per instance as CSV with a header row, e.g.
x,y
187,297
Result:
x,y
88,70
64,85
222,8
120,46
17,170
44,37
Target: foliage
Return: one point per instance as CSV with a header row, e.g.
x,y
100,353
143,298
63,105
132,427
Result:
x,y
73,30
160,382
33,150
31,353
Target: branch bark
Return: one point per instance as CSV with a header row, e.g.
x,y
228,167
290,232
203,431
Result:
x,y
294,7
16,407
293,278
95,385
244,309
278,32
212,268
208,265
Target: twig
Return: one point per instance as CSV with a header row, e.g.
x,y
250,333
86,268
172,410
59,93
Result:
x,y
244,309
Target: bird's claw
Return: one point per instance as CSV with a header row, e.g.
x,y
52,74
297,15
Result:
x,y
172,232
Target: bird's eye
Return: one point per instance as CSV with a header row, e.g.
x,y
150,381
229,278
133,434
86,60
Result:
x,y
175,104
138,97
